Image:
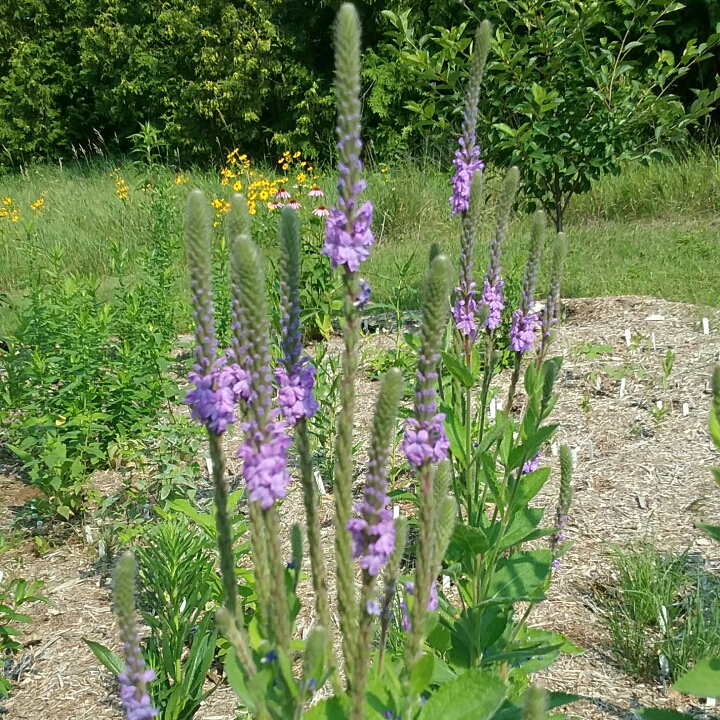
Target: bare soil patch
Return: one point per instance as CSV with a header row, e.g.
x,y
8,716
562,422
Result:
x,y
636,477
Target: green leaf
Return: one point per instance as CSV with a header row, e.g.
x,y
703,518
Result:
x,y
521,575
712,530
530,486
335,708
702,681
554,699
471,540
456,434
474,695
458,370
656,714
422,672
112,661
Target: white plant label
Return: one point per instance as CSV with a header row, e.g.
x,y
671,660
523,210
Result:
x,y
653,341
622,387
208,465
396,512
598,383
319,482
446,582
628,337
499,405
659,404
554,449
492,409
686,409
591,449
574,457
706,326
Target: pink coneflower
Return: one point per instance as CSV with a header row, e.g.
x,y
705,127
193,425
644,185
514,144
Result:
x,y
282,193
321,211
275,205
315,191
294,204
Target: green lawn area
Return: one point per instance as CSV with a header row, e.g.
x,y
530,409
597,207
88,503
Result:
x,y
651,230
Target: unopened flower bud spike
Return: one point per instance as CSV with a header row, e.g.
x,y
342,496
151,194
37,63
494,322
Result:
x,y
373,532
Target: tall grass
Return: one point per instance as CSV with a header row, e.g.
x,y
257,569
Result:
x,y
652,230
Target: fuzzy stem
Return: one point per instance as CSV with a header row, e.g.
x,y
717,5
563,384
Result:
x,y
278,599
344,477
317,559
224,525
260,563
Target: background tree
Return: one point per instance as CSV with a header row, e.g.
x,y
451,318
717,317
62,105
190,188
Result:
x,y
573,94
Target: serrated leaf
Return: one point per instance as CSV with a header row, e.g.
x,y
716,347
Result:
x,y
474,695
458,370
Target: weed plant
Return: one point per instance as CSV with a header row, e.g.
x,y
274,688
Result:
x,y
662,610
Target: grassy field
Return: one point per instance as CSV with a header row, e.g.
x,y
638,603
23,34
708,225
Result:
x,y
651,230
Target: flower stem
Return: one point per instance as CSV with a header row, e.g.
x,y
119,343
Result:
x,y
344,477
317,560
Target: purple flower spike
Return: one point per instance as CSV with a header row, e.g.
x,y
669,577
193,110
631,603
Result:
x,y
215,395
265,462
522,332
467,162
492,297
295,391
349,247
425,441
465,309
348,237
136,708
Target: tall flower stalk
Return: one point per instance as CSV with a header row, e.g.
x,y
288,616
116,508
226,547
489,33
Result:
x,y
425,445
373,531
264,451
301,406
133,681
348,239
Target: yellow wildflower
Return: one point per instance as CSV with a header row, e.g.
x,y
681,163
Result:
x,y
301,177
237,186
15,215
297,154
7,201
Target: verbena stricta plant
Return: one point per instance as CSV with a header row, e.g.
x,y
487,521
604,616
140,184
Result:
x,y
473,483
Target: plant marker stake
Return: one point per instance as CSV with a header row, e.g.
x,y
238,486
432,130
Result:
x,y
396,512
628,337
209,465
499,405
686,409
622,387
706,326
319,482
591,450
710,702
554,449
574,457
493,409
598,383
653,341
659,404
446,582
